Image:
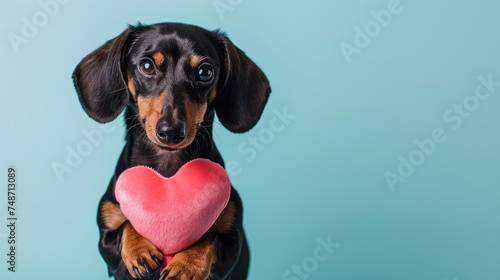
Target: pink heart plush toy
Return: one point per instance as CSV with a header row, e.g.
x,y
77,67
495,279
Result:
x,y
173,213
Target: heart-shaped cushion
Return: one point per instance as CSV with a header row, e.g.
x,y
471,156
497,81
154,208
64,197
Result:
x,y
173,213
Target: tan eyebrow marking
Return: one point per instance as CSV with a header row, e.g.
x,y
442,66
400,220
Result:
x,y
195,60
158,58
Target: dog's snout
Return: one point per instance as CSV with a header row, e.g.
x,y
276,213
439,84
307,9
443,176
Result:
x,y
170,134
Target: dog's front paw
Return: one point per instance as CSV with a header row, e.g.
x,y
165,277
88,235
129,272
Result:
x,y
140,256
194,263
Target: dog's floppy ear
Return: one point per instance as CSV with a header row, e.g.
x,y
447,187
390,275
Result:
x,y
99,80
243,89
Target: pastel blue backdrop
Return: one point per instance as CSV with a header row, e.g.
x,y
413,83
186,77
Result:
x,y
355,85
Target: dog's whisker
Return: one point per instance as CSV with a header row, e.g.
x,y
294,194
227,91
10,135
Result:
x,y
117,90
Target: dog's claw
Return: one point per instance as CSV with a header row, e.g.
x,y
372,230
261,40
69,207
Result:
x,y
136,271
157,261
146,267
164,275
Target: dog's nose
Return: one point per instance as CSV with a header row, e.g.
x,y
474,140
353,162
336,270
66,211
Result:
x,y
170,135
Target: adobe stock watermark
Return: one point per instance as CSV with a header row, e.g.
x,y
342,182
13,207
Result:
x,y
454,117
363,36
222,7
75,154
31,26
310,264
257,142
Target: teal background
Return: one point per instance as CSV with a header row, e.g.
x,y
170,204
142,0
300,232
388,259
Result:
x,y
319,175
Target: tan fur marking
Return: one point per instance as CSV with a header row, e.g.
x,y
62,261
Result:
x,y
112,215
193,263
131,86
195,61
194,116
225,221
136,250
158,57
212,96
150,111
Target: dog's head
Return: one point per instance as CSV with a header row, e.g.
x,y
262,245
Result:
x,y
172,75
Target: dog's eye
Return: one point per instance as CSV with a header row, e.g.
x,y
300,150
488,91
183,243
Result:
x,y
205,73
147,67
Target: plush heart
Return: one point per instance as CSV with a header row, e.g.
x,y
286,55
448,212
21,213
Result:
x,y
173,213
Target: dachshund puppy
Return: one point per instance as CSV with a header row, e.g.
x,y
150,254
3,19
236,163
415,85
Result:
x,y
171,79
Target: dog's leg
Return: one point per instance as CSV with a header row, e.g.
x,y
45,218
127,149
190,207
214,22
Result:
x,y
139,255
194,263
217,252
125,251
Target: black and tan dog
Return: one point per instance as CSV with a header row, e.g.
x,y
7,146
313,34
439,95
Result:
x,y
171,79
